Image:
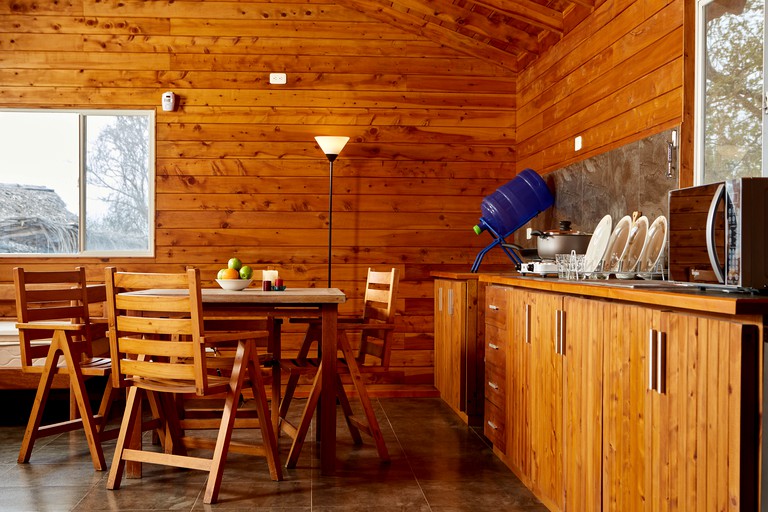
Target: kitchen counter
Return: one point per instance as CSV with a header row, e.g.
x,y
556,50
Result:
x,y
657,293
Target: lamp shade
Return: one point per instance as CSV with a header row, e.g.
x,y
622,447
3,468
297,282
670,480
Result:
x,y
332,145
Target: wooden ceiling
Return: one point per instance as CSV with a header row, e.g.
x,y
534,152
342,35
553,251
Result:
x,y
510,33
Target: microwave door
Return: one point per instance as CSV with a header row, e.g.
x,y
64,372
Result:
x,y
717,267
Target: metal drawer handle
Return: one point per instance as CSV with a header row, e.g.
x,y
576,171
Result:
x,y
493,385
493,425
493,346
493,307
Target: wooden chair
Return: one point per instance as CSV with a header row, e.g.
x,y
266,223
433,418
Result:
x,y
54,325
375,329
158,346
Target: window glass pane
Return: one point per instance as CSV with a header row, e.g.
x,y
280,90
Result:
x,y
58,165
117,177
733,98
39,198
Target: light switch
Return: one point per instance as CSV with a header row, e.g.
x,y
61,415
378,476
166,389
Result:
x,y
577,143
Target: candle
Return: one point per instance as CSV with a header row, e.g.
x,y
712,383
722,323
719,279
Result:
x,y
269,275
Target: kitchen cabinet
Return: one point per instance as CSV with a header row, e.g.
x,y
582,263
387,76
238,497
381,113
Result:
x,y
680,412
622,406
547,387
458,358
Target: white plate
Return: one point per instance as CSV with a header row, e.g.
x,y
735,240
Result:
x,y
654,245
597,244
637,238
617,244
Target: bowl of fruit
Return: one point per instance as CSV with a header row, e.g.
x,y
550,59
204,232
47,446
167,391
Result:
x,y
236,276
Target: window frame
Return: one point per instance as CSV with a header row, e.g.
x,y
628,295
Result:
x,y
82,252
700,92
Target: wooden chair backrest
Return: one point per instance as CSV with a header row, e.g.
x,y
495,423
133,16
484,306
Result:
x,y
156,341
53,297
379,308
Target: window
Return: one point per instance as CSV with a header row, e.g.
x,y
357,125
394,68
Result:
x,y
730,90
77,183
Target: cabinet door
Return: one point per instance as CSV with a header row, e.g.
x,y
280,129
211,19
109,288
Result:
x,y
705,415
681,412
450,346
583,359
518,382
625,415
546,399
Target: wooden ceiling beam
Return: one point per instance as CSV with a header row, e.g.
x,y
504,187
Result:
x,y
463,20
528,12
383,11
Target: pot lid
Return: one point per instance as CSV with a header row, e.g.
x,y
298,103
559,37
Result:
x,y
565,229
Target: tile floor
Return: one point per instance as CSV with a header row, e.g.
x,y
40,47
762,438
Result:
x,y
438,464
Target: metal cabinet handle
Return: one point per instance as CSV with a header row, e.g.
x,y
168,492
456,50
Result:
x,y
493,346
493,307
562,332
557,332
493,385
450,301
528,323
492,425
652,347
440,299
661,362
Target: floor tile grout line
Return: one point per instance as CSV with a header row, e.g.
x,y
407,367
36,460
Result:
x,y
405,454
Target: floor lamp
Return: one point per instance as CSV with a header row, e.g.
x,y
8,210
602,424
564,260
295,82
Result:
x,y
331,146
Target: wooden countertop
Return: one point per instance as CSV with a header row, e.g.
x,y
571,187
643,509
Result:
x,y
454,275
658,293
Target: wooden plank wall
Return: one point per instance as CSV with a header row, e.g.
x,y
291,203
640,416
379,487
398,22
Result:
x,y
614,79
432,131
238,170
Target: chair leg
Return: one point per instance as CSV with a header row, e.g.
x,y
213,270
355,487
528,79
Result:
x,y
242,359
347,408
132,412
106,405
370,415
38,406
77,385
306,419
285,403
268,433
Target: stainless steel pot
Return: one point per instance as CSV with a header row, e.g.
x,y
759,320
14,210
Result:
x,y
561,241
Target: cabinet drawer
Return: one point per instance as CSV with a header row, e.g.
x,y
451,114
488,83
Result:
x,y
495,386
496,306
494,426
496,346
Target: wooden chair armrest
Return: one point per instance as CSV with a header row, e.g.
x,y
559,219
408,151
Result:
x,y
50,326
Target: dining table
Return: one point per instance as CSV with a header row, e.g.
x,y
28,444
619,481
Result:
x,y
288,303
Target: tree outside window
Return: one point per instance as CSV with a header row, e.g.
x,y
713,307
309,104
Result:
x,y
43,208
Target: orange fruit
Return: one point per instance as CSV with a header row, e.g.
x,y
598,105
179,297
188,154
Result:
x,y
230,273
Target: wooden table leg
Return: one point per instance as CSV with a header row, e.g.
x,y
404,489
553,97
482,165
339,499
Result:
x,y
327,405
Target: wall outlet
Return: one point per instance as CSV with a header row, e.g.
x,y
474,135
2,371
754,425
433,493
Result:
x,y
277,78
577,143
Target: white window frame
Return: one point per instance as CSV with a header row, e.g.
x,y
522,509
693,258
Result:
x,y
699,94
151,214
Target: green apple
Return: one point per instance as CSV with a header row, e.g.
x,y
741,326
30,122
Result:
x,y
246,272
234,263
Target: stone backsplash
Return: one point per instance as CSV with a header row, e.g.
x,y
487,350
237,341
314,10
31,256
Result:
x,y
619,182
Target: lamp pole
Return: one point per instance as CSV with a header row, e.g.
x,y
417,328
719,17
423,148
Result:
x,y
331,146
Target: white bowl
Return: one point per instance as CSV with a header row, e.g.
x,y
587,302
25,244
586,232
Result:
x,y
234,284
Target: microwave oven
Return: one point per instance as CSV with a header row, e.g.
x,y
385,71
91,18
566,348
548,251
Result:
x,y
718,235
